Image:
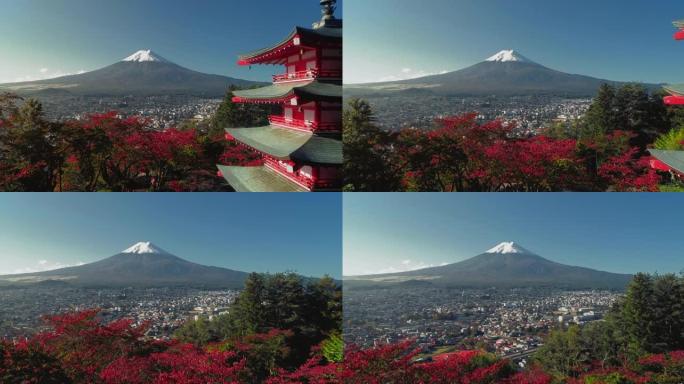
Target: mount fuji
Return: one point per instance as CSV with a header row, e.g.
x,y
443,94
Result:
x,y
507,73
141,265
144,73
506,265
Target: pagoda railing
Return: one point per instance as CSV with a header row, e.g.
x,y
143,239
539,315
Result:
x,y
303,125
309,74
277,167
331,183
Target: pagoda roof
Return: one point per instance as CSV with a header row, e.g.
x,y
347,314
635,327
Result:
x,y
257,179
673,159
289,144
276,93
277,54
675,89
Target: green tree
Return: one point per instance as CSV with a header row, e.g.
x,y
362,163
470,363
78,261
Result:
x,y
369,164
333,348
196,332
603,342
668,314
601,116
8,105
671,141
248,314
309,310
636,313
29,146
563,353
649,319
631,108
237,115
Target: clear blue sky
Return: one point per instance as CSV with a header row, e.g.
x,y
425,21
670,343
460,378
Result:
x,y
247,232
611,39
625,233
67,36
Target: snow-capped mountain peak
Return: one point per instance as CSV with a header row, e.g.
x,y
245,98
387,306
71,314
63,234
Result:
x,y
145,56
143,248
509,56
508,247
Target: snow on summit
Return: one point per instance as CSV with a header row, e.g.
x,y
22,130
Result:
x,y
508,247
509,56
144,247
145,56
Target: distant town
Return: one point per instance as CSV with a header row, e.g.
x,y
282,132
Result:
x,y
163,112
510,322
531,113
165,309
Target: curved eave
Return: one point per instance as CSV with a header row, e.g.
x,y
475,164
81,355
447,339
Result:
x,y
277,54
679,35
674,100
257,179
282,93
677,95
287,144
675,89
673,159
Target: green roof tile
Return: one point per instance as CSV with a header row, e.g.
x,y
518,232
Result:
x,y
673,159
314,90
288,144
257,179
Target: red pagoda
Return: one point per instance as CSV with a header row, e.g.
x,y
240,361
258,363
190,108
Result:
x,y
676,91
301,148
668,160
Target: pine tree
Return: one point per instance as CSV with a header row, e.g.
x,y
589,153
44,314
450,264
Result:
x,y
637,315
368,161
600,118
668,314
238,115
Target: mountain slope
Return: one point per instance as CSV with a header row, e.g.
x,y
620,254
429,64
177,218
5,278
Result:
x,y
506,73
142,265
507,265
142,74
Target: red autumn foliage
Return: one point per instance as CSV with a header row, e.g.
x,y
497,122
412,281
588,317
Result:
x,y
80,349
84,346
627,172
127,155
538,163
397,364
184,364
240,155
464,155
654,369
107,152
